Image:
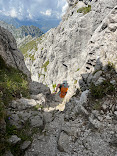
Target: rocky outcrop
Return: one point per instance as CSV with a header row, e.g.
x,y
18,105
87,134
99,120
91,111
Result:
x,y
101,51
76,131
9,52
64,49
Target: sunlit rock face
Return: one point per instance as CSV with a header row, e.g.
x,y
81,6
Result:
x,y
62,51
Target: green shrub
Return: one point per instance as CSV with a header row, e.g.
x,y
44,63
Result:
x,y
101,90
97,106
84,10
110,66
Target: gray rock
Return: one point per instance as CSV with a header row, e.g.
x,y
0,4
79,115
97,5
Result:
x,y
37,88
14,139
47,117
63,142
112,27
23,103
8,153
104,106
84,97
9,52
115,113
96,76
25,145
99,81
36,121
113,82
113,141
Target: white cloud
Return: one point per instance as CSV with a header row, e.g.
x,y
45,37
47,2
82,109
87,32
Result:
x,y
47,13
30,16
64,8
33,9
13,13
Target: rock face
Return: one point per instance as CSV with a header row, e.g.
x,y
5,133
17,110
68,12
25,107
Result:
x,y
62,51
9,52
101,50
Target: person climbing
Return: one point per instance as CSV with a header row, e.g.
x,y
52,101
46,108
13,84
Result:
x,y
63,89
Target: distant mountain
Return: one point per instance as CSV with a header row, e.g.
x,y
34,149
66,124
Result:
x,y
43,23
22,31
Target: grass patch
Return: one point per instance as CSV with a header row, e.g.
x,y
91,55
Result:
x,y
32,57
84,10
13,83
41,74
45,65
97,106
78,69
75,81
37,107
28,47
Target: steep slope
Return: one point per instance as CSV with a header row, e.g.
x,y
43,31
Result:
x,y
88,124
63,50
15,84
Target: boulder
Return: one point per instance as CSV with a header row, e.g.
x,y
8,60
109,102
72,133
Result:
x,y
25,145
36,121
63,142
14,139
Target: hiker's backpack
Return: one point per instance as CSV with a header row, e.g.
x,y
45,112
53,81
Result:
x,y
63,91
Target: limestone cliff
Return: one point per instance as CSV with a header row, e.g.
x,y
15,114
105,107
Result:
x,y
62,51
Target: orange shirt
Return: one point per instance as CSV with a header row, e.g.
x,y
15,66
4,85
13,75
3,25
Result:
x,y
63,91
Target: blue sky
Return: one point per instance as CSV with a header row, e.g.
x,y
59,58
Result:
x,y
33,9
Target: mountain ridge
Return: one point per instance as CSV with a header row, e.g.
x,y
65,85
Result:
x,y
43,24
22,31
